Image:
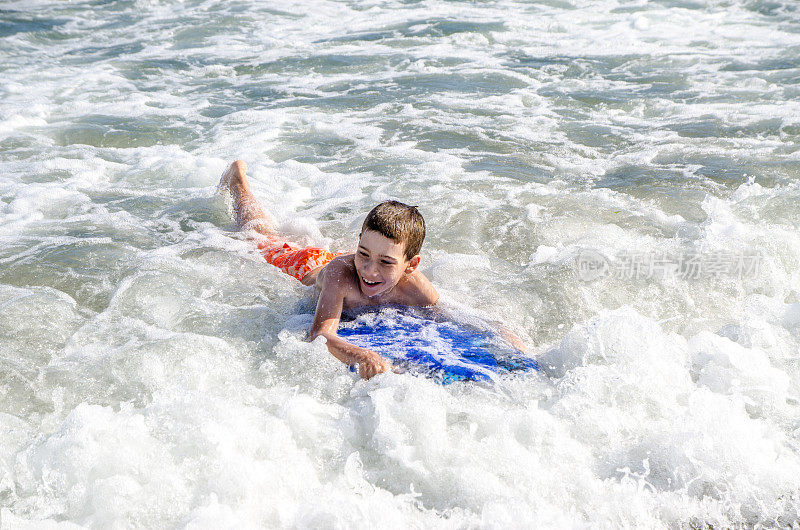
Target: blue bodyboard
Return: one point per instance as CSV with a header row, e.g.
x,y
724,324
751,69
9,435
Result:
x,y
442,349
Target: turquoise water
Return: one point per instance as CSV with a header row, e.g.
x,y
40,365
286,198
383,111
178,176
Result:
x,y
153,368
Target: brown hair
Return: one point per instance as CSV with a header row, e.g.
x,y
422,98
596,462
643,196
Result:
x,y
399,222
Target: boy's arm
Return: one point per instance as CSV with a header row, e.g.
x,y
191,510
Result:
x,y
326,320
511,337
508,335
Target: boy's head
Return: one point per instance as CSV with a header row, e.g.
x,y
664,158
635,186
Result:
x,y
399,222
388,246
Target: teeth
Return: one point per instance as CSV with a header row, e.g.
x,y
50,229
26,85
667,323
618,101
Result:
x,y
370,283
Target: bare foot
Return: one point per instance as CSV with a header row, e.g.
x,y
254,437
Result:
x,y
235,178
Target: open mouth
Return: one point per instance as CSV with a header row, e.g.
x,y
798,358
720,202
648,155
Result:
x,y
371,284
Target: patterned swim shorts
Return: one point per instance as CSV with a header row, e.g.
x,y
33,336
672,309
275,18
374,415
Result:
x,y
293,260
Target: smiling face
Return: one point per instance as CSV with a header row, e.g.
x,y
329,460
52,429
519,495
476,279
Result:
x,y
381,263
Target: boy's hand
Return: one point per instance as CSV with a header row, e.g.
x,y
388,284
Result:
x,y
371,363
512,339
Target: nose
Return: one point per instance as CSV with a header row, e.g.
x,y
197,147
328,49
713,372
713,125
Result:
x,y
369,268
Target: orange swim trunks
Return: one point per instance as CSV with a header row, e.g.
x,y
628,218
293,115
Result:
x,y
293,260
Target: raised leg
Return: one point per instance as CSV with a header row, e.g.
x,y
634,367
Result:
x,y
248,213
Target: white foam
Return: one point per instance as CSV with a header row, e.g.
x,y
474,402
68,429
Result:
x,y
726,367
186,395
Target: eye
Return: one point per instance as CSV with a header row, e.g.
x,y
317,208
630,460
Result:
x,y
362,253
386,262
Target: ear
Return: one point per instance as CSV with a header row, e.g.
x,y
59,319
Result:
x,y
413,263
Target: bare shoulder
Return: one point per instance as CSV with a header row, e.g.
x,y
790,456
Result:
x,y
340,274
421,291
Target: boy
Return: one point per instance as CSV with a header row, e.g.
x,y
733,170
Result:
x,y
383,269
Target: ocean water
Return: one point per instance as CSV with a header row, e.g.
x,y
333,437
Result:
x,y
617,181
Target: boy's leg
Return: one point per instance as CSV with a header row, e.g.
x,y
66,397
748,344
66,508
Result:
x,y
248,212
295,261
